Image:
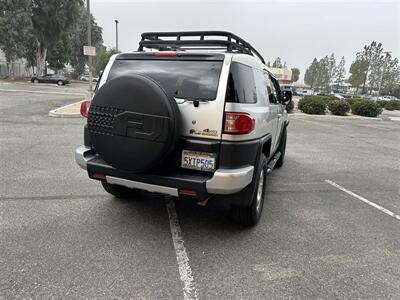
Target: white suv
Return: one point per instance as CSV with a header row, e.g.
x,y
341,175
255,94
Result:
x,y
190,114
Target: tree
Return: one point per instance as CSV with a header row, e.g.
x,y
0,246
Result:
x,y
357,73
310,76
15,25
59,54
390,75
277,63
102,58
50,20
78,38
371,55
269,64
331,72
340,72
29,51
295,74
322,72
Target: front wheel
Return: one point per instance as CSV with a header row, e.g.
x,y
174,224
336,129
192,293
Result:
x,y
119,191
36,81
60,82
250,215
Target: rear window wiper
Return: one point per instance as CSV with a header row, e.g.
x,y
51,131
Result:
x,y
195,101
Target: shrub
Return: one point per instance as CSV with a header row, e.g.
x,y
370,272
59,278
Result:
x,y
339,107
367,108
382,103
323,98
351,101
392,105
312,105
290,107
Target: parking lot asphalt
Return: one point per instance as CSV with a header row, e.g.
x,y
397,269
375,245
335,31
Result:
x,y
62,236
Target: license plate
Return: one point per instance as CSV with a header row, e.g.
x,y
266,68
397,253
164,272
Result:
x,y
201,161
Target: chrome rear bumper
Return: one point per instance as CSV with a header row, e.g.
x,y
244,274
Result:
x,y
83,154
223,182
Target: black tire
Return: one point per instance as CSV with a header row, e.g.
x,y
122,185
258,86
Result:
x,y
60,82
36,81
139,145
119,191
282,149
250,215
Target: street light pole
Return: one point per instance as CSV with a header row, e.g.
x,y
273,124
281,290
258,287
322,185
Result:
x,y
383,71
116,34
89,38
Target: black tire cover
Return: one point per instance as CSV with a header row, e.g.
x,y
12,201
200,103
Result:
x,y
133,123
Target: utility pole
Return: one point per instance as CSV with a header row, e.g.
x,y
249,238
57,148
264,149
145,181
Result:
x,y
116,34
89,38
383,71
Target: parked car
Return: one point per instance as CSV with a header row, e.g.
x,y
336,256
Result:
x,y
194,124
338,96
387,98
86,78
304,92
50,78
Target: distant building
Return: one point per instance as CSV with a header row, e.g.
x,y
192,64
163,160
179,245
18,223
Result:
x,y
19,68
284,76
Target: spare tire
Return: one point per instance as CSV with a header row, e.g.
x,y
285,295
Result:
x,y
133,123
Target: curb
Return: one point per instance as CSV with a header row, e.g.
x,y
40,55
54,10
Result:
x,y
349,117
67,111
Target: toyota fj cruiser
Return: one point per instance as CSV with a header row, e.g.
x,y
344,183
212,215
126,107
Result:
x,y
190,114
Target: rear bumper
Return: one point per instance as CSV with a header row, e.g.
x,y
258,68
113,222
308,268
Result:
x,y
223,181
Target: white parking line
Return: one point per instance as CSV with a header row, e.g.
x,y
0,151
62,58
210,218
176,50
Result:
x,y
42,92
185,272
382,209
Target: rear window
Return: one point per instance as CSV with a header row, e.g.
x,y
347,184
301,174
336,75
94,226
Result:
x,y
241,84
180,78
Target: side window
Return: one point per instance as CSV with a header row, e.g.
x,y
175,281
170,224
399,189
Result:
x,y
261,85
241,84
278,93
272,93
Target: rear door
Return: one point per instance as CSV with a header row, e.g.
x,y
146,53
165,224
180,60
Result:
x,y
198,84
279,109
196,81
274,105
48,78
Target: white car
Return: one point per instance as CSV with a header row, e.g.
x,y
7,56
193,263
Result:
x,y
305,92
86,78
338,96
387,98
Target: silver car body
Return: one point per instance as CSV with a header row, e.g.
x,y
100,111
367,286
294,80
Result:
x,y
206,120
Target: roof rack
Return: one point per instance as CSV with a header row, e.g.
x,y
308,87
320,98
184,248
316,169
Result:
x,y
233,43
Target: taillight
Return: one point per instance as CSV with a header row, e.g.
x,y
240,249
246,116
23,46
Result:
x,y
85,108
165,54
187,192
100,176
238,123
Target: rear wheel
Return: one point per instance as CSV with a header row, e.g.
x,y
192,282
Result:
x,y
282,149
36,81
60,82
250,215
119,191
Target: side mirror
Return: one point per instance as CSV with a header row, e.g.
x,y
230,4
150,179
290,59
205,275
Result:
x,y
286,97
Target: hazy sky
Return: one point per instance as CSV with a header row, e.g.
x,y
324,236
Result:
x,y
297,31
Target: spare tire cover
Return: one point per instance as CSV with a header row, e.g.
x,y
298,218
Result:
x,y
133,123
